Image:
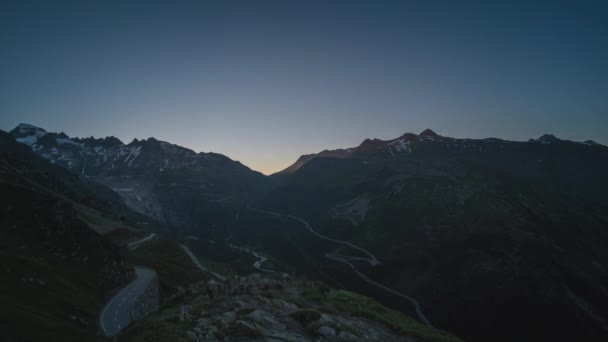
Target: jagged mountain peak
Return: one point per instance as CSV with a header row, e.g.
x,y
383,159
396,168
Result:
x,y
409,136
372,146
142,171
590,142
24,126
26,129
107,142
143,142
546,139
428,133
27,134
428,140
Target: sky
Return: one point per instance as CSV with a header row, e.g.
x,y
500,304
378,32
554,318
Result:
x,y
264,82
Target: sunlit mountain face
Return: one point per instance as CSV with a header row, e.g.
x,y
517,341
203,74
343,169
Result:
x,y
303,171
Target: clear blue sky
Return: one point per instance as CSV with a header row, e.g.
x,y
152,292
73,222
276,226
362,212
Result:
x,y
266,81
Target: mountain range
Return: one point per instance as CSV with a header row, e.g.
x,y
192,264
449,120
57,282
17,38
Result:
x,y
497,240
488,234
169,183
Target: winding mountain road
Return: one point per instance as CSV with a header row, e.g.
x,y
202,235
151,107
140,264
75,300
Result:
x,y
116,314
372,260
345,259
133,245
199,265
260,259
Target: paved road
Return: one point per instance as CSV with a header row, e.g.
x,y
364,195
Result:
x,y
260,259
345,260
116,314
373,261
198,264
135,244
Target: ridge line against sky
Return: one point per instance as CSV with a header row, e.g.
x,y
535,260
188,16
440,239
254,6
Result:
x,y
266,82
289,162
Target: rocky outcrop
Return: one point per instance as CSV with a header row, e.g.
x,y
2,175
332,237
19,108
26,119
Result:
x,y
256,308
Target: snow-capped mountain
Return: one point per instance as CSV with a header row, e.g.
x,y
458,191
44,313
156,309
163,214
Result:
x,y
28,134
426,141
153,177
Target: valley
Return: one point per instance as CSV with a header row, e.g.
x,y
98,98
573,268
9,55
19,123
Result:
x,y
299,171
372,260
424,224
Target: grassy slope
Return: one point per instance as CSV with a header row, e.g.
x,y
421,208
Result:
x,y
163,325
357,305
98,222
173,265
40,294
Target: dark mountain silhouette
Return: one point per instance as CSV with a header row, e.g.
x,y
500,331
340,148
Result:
x,y
489,235
57,269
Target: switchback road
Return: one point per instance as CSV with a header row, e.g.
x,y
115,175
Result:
x,y
372,260
116,314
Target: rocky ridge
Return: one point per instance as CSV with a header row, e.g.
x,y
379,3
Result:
x,y
154,178
424,142
256,308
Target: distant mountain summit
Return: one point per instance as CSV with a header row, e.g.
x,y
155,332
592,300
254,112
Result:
x,y
426,141
546,139
153,177
428,133
27,134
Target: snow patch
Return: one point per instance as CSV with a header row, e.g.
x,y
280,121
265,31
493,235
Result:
x,y
63,141
29,140
134,152
401,145
164,167
123,189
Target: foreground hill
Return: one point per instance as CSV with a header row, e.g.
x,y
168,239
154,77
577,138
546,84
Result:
x,y
256,308
489,235
56,269
177,186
